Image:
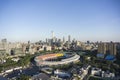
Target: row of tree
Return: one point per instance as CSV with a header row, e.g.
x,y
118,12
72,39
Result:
x,y
24,61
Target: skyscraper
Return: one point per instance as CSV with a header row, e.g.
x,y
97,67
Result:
x,y
63,39
69,38
46,40
102,48
53,35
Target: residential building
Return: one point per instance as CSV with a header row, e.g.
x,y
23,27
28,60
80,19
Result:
x,y
107,48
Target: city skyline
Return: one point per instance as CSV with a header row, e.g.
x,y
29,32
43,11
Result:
x,y
83,20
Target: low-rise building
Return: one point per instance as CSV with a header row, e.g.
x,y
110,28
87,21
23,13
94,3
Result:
x,y
15,59
108,74
95,71
84,71
102,74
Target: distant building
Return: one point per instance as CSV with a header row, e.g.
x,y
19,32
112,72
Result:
x,y
53,35
47,48
4,40
107,48
10,48
112,48
63,39
46,40
3,43
69,38
102,48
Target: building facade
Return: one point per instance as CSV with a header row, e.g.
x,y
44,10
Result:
x,y
107,48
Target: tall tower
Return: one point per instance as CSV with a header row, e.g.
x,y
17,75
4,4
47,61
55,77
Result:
x,y
52,34
46,40
69,38
28,42
53,37
63,39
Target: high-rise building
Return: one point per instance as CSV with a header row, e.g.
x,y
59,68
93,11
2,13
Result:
x,y
53,35
107,48
63,39
46,40
112,48
4,40
102,48
28,42
69,38
4,43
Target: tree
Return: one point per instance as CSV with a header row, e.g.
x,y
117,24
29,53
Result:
x,y
23,77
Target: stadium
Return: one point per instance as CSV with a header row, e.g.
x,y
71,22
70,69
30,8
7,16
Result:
x,y
56,59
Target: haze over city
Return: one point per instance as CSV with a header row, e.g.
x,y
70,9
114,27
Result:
x,y
92,20
59,39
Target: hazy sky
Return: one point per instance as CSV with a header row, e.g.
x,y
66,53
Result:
x,y
94,20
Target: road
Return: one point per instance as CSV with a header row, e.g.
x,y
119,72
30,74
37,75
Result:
x,y
32,70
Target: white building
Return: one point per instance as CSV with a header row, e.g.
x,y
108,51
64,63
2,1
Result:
x,y
15,59
108,74
95,71
47,48
83,72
